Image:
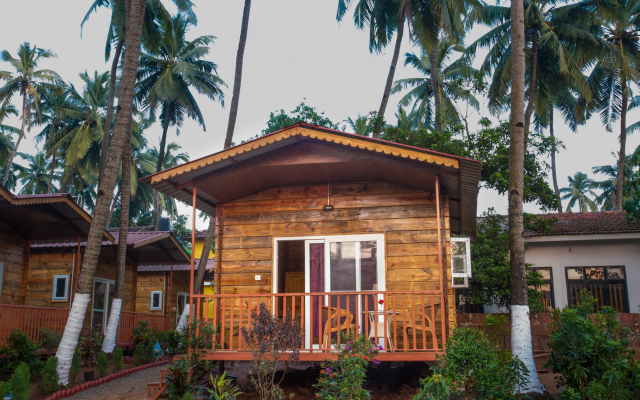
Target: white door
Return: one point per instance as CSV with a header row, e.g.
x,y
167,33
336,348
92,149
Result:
x,y
103,291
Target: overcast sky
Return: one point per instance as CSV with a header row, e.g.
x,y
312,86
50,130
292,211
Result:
x,y
296,50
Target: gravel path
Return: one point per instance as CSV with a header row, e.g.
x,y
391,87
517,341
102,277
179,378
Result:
x,y
131,387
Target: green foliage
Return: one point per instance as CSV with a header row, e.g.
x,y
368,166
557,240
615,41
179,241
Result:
x,y
591,354
149,357
180,230
434,387
5,387
170,341
491,146
138,353
102,364
196,335
19,349
49,339
222,388
490,262
345,377
268,339
473,363
21,382
187,396
117,360
76,366
142,332
90,344
302,113
50,376
180,380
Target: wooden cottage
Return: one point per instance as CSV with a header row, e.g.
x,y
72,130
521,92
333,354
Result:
x,y
342,232
50,262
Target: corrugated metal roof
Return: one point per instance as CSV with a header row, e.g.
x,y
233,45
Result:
x,y
589,223
211,263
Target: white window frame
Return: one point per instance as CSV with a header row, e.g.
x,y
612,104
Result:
x,y
66,288
467,258
151,307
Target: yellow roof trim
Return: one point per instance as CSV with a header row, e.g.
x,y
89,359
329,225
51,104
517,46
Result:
x,y
326,136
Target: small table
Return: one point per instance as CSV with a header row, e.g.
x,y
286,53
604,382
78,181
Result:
x,y
380,324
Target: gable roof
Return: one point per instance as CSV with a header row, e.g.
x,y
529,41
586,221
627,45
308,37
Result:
x,y
602,222
304,154
143,247
45,217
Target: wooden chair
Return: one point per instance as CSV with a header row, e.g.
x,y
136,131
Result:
x,y
421,324
333,316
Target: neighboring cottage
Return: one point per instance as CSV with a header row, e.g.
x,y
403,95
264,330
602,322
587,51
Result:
x,y
597,251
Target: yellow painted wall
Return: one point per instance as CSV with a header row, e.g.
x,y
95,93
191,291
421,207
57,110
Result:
x,y
198,248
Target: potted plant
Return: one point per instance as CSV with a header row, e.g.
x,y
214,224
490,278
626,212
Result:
x,y
90,344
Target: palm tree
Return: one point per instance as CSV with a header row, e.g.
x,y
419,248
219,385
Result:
x,y
35,177
580,187
607,199
121,129
422,92
28,82
168,74
407,122
360,126
237,79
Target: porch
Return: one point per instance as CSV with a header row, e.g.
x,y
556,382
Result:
x,y
407,325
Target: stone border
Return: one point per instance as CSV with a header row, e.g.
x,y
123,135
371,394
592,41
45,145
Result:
x,y
88,385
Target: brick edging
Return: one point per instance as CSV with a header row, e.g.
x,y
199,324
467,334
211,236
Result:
x,y
88,385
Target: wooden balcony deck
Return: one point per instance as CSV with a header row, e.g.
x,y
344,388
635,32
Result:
x,y
409,323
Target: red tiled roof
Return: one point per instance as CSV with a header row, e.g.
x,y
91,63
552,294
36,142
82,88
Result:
x,y
589,223
211,263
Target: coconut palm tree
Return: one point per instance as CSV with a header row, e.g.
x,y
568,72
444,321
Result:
x,y
28,82
35,177
407,122
422,91
359,126
167,76
579,189
121,129
607,199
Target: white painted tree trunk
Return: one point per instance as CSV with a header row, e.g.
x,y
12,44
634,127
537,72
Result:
x,y
521,345
70,337
184,318
109,342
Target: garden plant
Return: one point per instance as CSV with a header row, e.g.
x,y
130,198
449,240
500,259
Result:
x,y
50,376
117,359
138,354
102,365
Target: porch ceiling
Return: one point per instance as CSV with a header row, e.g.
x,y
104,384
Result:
x,y
308,155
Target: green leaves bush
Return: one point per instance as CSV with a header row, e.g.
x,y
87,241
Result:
x,y
76,366
591,354
50,376
149,357
138,353
19,349
21,383
117,360
102,365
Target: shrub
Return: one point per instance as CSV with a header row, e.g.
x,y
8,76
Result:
x,y
102,365
142,333
149,357
470,361
5,387
90,344
345,377
76,366
137,355
49,339
117,360
434,387
180,379
19,349
222,388
591,352
197,335
21,382
50,376
171,341
268,339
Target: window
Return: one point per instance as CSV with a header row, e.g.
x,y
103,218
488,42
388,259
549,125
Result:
x,y
606,284
60,288
460,262
546,288
156,300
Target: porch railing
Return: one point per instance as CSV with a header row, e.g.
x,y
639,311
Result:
x,y
129,320
31,320
398,321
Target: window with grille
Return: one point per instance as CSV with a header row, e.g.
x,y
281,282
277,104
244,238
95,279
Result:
x,y
546,288
608,285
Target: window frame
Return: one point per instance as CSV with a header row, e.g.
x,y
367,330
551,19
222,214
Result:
x,y
606,279
550,283
66,289
151,307
467,257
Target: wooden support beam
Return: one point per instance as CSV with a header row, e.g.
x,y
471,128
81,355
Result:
x,y
184,185
233,160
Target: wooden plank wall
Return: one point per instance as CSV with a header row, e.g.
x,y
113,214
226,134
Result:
x,y
152,281
407,217
12,256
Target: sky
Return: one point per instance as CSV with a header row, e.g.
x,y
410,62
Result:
x,y
296,51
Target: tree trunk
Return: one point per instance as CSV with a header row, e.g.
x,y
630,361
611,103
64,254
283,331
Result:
x,y
53,167
15,148
532,88
233,112
520,327
554,171
205,254
163,144
109,117
392,71
435,87
113,205
109,342
121,130
623,143
67,181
